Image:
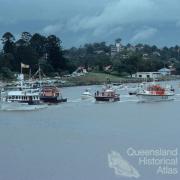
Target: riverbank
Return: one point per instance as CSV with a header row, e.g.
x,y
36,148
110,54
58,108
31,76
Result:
x,y
92,78
101,78
2,84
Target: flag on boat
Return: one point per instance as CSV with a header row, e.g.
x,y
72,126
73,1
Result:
x,y
24,65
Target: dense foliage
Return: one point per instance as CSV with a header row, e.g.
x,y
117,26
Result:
x,y
48,52
31,50
128,60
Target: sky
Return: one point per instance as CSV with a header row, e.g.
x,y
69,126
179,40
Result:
x,y
77,22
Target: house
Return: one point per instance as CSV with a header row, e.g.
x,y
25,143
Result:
x,y
108,68
165,71
156,54
99,52
131,48
145,56
80,71
146,75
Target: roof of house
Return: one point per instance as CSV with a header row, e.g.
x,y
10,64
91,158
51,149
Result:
x,y
164,70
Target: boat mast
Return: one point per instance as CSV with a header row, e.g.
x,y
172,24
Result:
x,y
29,73
39,71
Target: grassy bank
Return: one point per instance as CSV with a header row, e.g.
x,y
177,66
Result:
x,y
98,78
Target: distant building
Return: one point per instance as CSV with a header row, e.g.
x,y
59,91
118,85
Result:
x,y
156,54
117,48
99,51
146,75
145,56
113,50
80,71
131,48
108,68
165,71
125,56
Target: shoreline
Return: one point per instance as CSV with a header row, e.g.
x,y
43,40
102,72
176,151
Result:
x,y
88,81
99,79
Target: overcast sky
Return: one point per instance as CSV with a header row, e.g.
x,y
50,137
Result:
x,y
81,21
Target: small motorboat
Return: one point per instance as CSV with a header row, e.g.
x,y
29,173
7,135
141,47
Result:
x,y
117,86
155,93
51,94
86,94
107,94
134,90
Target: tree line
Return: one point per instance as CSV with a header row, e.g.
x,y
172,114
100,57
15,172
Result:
x,y
128,60
47,51
32,50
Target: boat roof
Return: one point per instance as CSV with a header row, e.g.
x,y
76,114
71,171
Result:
x,y
22,93
49,87
109,90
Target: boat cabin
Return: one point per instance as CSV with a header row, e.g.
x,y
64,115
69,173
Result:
x,y
50,91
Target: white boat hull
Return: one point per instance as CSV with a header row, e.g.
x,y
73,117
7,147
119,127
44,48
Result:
x,y
84,97
15,106
153,98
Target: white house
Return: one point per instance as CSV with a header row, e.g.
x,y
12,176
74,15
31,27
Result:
x,y
146,75
165,71
80,71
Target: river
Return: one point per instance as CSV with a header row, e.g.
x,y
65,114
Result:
x,y
75,140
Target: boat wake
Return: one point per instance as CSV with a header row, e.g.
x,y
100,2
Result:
x,y
121,166
30,108
74,100
129,100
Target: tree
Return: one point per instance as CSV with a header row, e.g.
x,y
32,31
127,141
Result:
x,y
8,50
26,37
39,43
8,42
7,37
27,55
118,40
55,53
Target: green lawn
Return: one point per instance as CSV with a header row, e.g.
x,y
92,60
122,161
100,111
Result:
x,y
94,78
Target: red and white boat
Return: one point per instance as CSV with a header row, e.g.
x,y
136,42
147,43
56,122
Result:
x,y
155,93
107,94
51,94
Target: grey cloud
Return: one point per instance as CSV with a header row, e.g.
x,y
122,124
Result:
x,y
52,29
144,34
82,21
